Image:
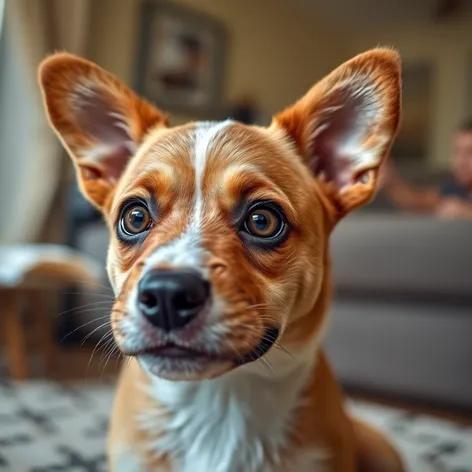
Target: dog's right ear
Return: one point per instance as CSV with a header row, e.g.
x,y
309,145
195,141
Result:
x,y
344,126
99,120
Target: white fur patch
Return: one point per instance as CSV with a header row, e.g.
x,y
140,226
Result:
x,y
204,137
184,251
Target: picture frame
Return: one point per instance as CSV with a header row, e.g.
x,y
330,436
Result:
x,y
181,59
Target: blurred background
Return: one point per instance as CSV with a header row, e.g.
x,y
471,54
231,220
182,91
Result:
x,y
402,323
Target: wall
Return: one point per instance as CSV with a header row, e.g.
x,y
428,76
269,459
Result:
x,y
449,47
276,52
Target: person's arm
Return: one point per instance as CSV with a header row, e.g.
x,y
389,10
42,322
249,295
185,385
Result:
x,y
454,209
404,195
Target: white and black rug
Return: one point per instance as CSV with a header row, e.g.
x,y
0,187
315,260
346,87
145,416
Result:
x,y
48,427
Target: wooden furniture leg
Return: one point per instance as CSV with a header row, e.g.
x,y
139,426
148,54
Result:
x,y
14,333
43,326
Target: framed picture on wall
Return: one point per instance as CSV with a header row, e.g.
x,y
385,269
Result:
x,y
181,58
412,143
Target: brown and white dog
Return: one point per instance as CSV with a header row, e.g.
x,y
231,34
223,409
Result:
x,y
220,264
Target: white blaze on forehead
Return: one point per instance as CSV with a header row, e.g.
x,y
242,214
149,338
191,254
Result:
x,y
186,250
205,136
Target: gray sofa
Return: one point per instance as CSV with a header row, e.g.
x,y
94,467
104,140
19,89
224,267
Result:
x,y
401,315
402,311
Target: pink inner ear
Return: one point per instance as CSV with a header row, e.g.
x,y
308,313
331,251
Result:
x,y
335,142
97,117
112,143
115,163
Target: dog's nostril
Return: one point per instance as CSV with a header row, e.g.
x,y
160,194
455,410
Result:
x,y
148,300
191,299
184,303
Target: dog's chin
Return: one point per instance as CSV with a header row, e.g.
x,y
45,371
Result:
x,y
185,369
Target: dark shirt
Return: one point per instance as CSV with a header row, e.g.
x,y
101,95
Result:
x,y
453,189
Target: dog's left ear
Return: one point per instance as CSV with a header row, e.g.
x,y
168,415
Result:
x,y
344,126
99,120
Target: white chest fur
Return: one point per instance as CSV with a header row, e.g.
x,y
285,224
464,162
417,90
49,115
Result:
x,y
231,424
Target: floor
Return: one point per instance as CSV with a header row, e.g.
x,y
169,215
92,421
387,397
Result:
x,y
62,426
89,364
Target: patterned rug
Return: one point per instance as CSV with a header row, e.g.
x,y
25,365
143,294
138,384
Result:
x,y
48,427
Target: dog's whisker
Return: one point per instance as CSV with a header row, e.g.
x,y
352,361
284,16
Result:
x,y
106,324
119,358
94,284
108,352
267,365
109,345
113,351
82,325
102,339
238,355
271,338
91,294
86,305
126,363
110,349
277,345
95,309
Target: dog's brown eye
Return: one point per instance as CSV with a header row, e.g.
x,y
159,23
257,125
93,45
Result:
x,y
135,219
264,222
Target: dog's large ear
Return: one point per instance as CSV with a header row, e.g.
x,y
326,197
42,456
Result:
x,y
344,126
99,120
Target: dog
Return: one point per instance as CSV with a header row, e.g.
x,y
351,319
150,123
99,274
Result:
x,y
219,260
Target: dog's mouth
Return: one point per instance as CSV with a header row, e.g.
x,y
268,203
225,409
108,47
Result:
x,y
174,352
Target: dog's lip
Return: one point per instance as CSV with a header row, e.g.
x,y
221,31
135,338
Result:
x,y
178,352
173,351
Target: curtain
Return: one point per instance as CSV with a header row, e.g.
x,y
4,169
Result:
x,y
2,9
31,158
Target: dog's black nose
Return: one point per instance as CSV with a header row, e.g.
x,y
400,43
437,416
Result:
x,y
172,298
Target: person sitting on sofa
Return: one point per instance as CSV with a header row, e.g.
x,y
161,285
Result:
x,y
453,200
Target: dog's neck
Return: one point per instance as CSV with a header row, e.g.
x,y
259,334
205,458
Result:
x,y
234,420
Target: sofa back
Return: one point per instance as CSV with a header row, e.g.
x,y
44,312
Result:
x,y
392,253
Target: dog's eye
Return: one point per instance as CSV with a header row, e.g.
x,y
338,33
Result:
x,y
135,219
264,222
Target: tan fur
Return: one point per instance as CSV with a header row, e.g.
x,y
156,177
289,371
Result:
x,y
290,286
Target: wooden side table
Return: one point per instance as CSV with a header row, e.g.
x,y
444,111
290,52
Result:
x,y
28,274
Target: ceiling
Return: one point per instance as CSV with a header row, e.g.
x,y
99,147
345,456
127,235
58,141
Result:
x,y
371,14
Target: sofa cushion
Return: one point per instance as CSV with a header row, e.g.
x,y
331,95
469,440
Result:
x,y
414,352
396,253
